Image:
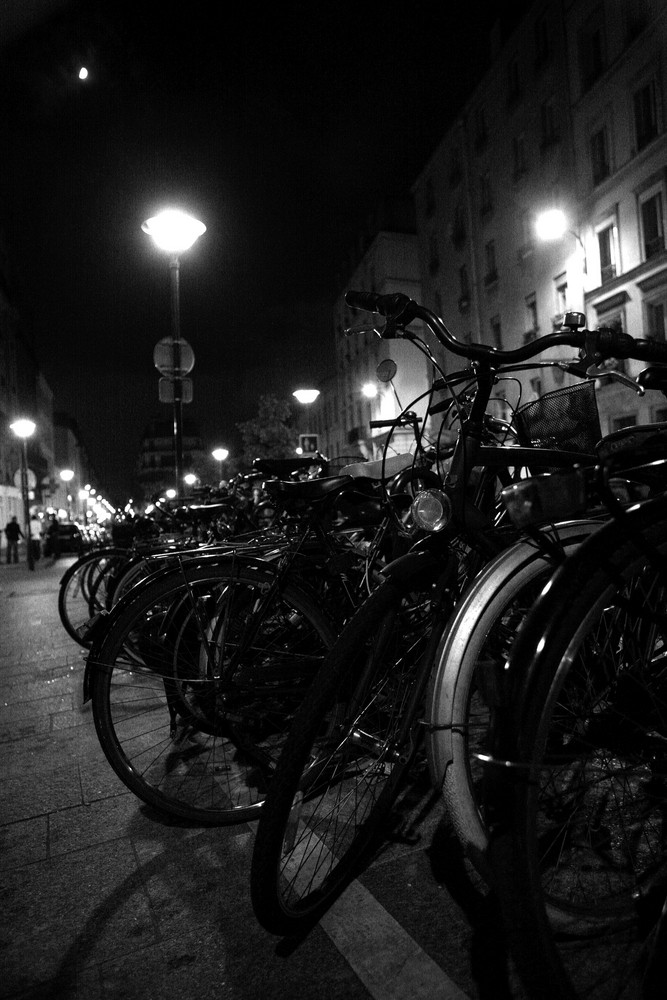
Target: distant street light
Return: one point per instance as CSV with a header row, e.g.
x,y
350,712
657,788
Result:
x,y
220,454
67,475
24,429
175,232
189,478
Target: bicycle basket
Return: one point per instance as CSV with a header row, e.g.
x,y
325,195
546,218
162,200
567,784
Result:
x,y
566,419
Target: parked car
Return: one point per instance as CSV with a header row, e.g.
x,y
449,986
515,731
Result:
x,y
70,537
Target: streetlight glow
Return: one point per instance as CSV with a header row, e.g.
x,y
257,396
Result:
x,y
66,475
369,390
306,396
174,231
551,225
23,428
220,454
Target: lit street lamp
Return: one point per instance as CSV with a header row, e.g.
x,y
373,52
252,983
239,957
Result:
x,y
67,475
552,225
220,454
175,232
308,442
24,429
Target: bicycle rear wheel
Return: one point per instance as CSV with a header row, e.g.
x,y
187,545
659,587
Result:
x,y
196,680
82,590
349,750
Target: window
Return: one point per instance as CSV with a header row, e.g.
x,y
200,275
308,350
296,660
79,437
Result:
x,y
531,315
496,333
618,423
599,148
607,246
485,198
490,257
536,387
652,224
592,48
655,319
518,156
646,114
561,295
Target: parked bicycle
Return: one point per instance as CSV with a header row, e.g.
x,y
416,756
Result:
x,y
361,726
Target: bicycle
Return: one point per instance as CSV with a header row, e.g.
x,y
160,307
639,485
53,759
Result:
x,y
576,775
360,728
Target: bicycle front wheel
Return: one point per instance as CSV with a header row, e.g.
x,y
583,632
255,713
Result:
x,y
349,749
195,681
580,846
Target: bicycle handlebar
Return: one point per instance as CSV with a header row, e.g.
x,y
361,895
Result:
x,y
399,310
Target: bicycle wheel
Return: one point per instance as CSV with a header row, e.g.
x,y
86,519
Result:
x,y
82,589
580,852
348,751
195,681
469,683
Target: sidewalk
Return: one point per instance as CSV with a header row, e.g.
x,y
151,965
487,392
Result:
x,y
102,899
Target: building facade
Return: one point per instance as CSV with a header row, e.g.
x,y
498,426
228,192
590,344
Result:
x,y
569,116
155,468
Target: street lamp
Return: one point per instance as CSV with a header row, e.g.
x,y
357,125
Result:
x,y
552,225
220,454
175,232
24,429
67,475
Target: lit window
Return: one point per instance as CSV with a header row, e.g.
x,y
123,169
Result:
x,y
607,245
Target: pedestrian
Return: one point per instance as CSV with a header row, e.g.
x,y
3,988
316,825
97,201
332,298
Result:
x,y
13,533
52,546
35,526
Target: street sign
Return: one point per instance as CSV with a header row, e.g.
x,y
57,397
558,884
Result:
x,y
166,390
32,479
308,443
164,355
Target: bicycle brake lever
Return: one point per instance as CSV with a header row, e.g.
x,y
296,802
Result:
x,y
619,377
364,328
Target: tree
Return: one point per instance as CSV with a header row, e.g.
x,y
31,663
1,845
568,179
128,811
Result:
x,y
269,434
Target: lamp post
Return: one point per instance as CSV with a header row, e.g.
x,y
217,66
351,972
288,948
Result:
x,y
67,475
175,232
220,455
24,429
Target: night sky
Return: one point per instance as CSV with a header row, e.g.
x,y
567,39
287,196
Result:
x,y
279,126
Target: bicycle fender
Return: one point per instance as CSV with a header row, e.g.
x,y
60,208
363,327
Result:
x,y
421,565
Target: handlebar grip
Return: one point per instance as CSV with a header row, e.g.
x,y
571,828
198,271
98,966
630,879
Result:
x,y
651,350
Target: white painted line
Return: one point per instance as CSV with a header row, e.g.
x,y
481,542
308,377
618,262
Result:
x,y
390,963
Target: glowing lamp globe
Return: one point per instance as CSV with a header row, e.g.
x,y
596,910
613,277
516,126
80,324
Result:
x,y
174,231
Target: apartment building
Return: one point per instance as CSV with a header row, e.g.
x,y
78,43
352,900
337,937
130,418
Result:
x,y
570,116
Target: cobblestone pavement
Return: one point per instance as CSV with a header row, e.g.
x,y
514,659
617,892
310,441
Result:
x,y
103,898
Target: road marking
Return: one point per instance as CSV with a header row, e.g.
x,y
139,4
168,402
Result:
x,y
390,963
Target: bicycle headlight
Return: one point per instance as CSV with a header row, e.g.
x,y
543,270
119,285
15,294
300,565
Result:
x,y
431,510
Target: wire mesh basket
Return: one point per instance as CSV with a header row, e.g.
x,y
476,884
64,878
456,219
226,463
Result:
x,y
566,419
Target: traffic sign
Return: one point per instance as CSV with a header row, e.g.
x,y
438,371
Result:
x,y
166,388
165,356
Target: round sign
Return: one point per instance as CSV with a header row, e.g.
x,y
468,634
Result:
x,y
32,479
173,358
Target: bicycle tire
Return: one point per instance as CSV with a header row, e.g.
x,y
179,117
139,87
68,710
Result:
x,y
579,853
354,708
188,741
469,682
78,590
